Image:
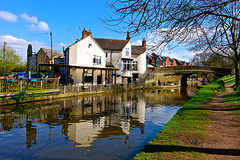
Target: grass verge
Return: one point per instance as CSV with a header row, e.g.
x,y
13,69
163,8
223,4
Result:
x,y
179,138
232,100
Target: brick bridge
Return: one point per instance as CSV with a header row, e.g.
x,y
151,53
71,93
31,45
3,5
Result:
x,y
179,74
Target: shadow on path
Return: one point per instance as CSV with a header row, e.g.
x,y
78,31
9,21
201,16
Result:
x,y
171,148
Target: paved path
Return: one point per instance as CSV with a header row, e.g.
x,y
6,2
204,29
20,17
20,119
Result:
x,y
224,131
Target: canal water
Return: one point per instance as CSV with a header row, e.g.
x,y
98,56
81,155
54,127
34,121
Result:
x,y
109,126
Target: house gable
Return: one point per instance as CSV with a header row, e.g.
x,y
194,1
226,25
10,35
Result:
x,y
84,53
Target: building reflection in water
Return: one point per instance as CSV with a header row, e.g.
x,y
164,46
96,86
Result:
x,y
102,117
85,120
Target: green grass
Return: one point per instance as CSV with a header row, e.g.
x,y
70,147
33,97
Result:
x,y
232,100
186,129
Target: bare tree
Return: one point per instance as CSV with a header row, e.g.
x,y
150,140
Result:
x,y
202,25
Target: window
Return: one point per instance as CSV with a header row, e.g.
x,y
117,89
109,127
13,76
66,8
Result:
x,y
126,65
106,54
127,51
135,66
61,61
96,59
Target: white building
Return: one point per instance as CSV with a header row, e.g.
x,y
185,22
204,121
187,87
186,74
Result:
x,y
129,59
86,53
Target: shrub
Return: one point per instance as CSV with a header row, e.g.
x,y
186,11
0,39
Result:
x,y
19,97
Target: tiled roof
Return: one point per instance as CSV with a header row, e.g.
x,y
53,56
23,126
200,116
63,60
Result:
x,y
111,44
149,56
164,58
56,53
171,60
137,50
182,62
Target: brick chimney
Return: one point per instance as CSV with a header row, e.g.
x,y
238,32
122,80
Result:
x,y
128,37
89,33
84,33
144,42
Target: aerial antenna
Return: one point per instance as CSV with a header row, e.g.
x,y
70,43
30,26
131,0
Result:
x,y
71,35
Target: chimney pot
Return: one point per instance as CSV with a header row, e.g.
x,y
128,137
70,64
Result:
x,y
84,33
128,37
144,42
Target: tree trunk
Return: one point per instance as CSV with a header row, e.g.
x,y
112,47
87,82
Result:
x,y
236,66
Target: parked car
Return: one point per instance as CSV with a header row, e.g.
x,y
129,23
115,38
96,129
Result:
x,y
20,75
34,75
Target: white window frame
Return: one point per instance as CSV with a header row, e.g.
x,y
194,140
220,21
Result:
x,y
96,59
135,65
126,65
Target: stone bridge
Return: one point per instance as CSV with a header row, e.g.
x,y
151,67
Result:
x,y
179,74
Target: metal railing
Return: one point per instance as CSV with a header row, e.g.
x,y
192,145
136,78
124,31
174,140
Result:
x,y
18,85
98,87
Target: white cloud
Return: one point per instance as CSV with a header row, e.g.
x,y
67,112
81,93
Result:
x,y
60,45
29,19
8,16
21,45
41,26
38,25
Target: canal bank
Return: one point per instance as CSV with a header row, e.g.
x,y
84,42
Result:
x,y
75,91
195,131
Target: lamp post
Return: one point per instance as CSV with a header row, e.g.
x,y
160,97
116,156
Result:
x,y
4,50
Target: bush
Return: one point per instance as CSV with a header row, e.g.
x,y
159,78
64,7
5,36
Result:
x,y
170,82
19,97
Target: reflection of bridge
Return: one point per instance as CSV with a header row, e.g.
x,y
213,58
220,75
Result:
x,y
182,72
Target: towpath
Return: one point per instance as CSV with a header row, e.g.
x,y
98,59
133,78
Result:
x,y
223,132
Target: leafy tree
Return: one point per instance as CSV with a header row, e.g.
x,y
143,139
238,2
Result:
x,y
13,61
211,59
202,25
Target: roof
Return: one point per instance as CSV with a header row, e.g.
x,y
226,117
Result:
x,y
137,50
171,60
183,62
155,56
111,44
56,53
164,58
149,56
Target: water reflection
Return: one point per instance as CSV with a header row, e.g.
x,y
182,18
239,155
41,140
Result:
x,y
96,123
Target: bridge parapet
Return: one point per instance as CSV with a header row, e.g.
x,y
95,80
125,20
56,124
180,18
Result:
x,y
181,70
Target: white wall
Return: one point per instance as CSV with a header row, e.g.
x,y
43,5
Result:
x,y
82,52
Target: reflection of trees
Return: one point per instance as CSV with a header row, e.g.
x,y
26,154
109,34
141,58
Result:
x,y
167,97
31,134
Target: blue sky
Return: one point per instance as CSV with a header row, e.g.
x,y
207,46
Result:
x,y
31,21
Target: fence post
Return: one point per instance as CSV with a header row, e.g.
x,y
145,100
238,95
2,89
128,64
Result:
x,y
20,85
41,84
64,89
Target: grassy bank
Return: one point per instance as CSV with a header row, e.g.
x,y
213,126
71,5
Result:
x,y
232,100
185,129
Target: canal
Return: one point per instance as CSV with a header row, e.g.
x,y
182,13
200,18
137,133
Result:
x,y
109,126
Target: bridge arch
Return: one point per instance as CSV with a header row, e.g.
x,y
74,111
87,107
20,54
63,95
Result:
x,y
183,72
